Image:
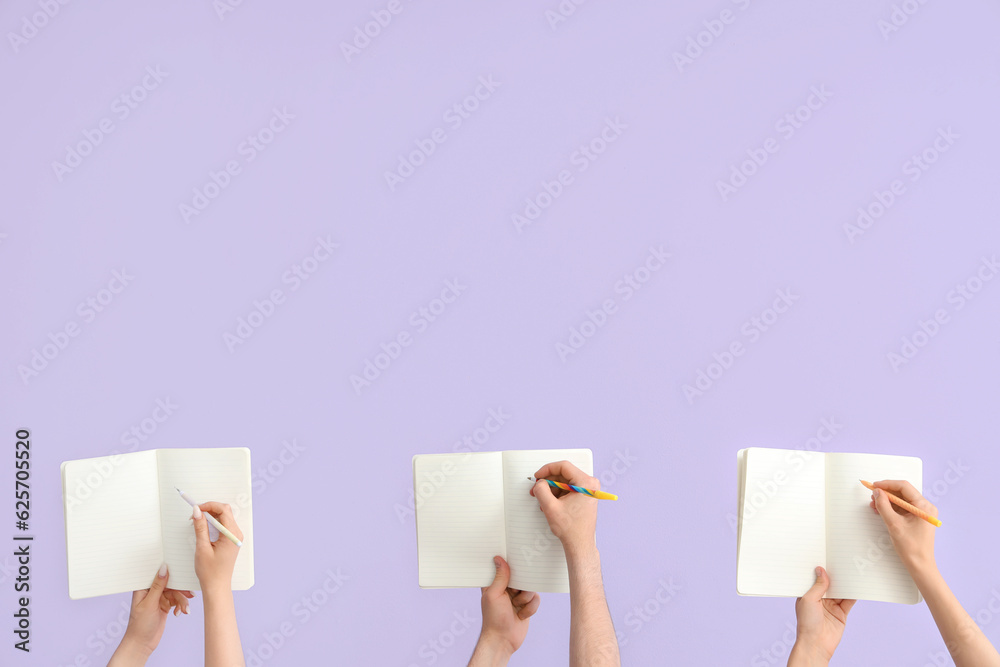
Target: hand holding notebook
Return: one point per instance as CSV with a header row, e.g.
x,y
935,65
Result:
x,y
800,509
472,506
124,518
820,623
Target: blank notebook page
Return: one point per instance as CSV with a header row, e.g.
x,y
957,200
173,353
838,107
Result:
x,y
460,518
536,557
216,474
783,538
741,462
860,557
112,524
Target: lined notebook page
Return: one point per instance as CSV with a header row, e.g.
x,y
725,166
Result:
x,y
536,557
112,524
215,474
861,559
783,537
460,518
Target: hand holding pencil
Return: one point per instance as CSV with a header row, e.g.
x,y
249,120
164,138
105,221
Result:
x,y
572,515
600,495
912,535
214,562
899,502
225,532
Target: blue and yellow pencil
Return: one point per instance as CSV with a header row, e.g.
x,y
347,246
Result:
x,y
600,495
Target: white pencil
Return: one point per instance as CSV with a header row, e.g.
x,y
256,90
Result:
x,y
212,520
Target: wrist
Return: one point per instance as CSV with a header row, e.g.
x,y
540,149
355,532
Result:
x,y
216,591
581,550
806,653
925,575
492,649
921,569
920,566
135,648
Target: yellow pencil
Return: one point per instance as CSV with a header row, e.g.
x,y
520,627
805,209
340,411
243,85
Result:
x,y
916,511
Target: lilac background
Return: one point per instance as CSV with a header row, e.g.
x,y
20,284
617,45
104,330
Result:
x,y
495,347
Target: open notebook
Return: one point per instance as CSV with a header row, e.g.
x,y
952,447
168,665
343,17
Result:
x,y
124,518
799,509
473,506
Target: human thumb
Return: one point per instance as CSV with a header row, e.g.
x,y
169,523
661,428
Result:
x,y
502,577
819,588
158,585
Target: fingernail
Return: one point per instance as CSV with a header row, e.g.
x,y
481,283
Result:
x,y
496,561
196,512
877,494
162,572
